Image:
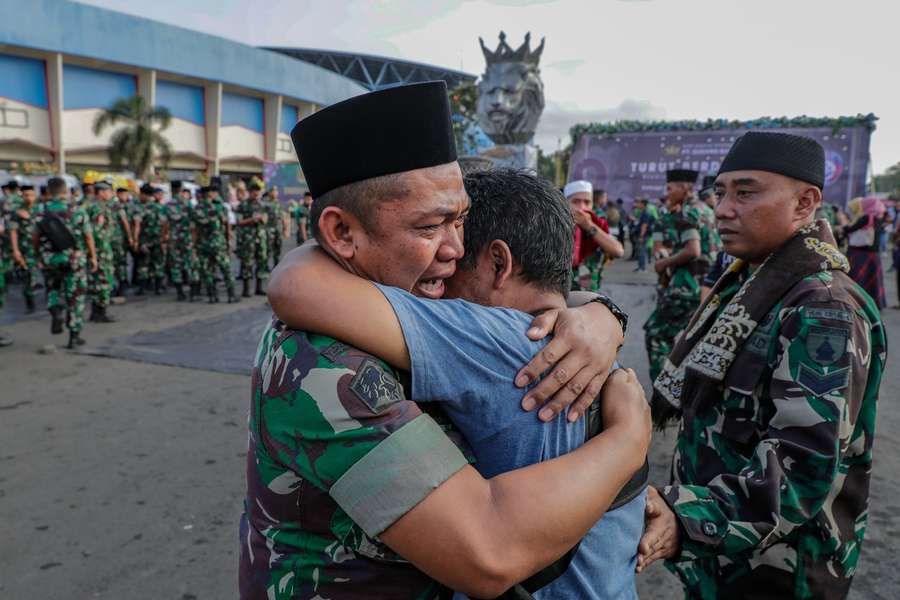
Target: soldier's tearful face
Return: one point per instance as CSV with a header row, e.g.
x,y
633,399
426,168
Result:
x,y
417,239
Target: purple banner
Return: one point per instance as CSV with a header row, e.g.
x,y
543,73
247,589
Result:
x,y
633,165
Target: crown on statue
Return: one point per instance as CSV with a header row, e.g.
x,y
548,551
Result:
x,y
504,53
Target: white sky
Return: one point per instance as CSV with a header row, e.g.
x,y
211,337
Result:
x,y
611,59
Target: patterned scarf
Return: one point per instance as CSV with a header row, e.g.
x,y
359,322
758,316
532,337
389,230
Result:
x,y
705,351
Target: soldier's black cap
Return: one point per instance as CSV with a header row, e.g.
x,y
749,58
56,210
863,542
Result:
x,y
12,184
26,188
786,154
121,189
147,189
176,187
389,131
208,188
254,186
102,185
681,176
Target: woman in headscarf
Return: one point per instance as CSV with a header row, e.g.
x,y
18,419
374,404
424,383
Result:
x,y
863,236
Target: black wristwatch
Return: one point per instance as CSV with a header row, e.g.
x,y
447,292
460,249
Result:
x,y
617,312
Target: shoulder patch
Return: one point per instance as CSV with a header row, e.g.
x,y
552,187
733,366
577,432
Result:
x,y
375,386
826,345
334,351
820,384
831,314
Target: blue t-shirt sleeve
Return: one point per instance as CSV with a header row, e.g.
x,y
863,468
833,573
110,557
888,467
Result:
x,y
466,356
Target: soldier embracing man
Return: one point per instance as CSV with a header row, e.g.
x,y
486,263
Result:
x,y
775,383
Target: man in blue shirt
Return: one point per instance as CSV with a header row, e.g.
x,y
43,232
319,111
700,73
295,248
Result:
x,y
518,244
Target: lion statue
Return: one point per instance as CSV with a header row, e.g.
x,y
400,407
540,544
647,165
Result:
x,y
510,92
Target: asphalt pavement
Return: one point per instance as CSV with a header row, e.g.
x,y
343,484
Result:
x,y
122,464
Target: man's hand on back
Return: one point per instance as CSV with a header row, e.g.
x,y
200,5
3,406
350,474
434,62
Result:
x,y
581,354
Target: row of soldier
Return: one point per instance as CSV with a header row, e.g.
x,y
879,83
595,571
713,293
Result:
x,y
81,243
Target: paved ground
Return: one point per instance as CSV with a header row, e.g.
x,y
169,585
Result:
x,y
123,477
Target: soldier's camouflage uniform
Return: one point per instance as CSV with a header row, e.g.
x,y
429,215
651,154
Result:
x,y
709,236
678,300
24,227
209,219
275,229
253,241
182,264
103,280
326,420
119,241
771,470
6,265
65,273
596,262
152,258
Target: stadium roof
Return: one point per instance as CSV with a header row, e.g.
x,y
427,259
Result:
x,y
375,72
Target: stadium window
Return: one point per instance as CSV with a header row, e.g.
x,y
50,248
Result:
x,y
13,117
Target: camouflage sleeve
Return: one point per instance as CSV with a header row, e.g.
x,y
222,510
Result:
x,y
338,418
817,385
689,224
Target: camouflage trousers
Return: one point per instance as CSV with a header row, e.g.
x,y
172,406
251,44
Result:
x,y
120,260
151,262
254,257
29,277
275,246
212,258
183,266
674,308
104,279
66,288
3,270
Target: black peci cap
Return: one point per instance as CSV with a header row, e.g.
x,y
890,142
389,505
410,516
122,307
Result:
x,y
389,131
786,154
681,176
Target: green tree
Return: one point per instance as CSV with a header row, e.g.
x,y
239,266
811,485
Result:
x,y
135,145
889,181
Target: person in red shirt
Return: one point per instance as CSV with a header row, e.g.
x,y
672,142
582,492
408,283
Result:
x,y
592,232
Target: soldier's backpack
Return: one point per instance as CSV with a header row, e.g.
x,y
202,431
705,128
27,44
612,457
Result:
x,y
54,229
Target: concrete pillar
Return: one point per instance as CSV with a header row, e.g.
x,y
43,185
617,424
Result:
x,y
272,113
55,101
147,85
213,100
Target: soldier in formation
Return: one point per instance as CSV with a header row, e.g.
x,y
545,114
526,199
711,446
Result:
x,y
680,273
151,230
182,255
253,239
21,217
278,226
122,240
103,224
64,244
212,237
774,385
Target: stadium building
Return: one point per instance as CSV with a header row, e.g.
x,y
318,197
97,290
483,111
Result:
x,y
232,105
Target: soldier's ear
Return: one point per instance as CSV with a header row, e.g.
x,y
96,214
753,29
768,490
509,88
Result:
x,y
809,199
336,230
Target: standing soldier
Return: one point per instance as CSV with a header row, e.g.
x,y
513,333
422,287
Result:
x,y
278,227
302,218
252,242
182,257
103,279
152,233
775,384
122,240
11,200
679,293
20,222
64,243
212,236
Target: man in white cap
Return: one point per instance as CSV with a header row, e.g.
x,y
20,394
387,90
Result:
x,y
591,234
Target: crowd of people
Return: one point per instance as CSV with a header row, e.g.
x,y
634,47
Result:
x,y
393,446
97,242
391,450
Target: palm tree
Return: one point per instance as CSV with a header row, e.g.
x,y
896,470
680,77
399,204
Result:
x,y
135,145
